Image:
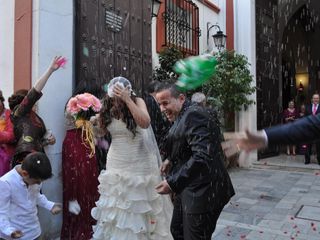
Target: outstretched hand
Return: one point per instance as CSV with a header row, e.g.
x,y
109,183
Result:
x,y
237,142
55,65
57,62
57,208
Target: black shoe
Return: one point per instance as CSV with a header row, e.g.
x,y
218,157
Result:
x,y
307,162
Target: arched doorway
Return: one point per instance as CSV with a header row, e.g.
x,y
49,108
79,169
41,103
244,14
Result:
x,y
300,55
287,39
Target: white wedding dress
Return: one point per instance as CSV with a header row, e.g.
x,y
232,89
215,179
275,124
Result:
x,y
129,208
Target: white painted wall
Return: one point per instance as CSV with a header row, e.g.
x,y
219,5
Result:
x,y
245,43
6,47
53,36
205,15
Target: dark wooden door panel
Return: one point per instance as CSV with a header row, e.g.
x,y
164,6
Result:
x,y
136,72
113,38
122,64
146,72
87,50
107,66
122,38
136,34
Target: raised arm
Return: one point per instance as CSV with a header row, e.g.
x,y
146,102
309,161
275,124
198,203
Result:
x,y
39,85
138,110
35,93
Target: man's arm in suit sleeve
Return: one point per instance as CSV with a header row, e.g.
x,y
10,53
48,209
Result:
x,y
303,130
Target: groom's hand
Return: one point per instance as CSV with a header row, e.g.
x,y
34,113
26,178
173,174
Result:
x,y
165,167
163,187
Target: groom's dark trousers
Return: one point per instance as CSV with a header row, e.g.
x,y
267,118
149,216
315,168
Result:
x,y
192,226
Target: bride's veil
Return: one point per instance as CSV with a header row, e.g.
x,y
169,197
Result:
x,y
152,147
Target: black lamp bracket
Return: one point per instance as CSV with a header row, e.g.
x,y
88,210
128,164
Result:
x,y
209,28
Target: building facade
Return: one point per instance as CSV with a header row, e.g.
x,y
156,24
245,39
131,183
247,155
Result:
x,y
100,39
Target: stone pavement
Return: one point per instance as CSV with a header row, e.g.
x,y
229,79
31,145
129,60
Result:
x,y
278,199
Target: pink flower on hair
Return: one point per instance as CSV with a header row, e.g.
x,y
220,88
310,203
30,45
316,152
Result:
x,y
96,104
72,106
84,101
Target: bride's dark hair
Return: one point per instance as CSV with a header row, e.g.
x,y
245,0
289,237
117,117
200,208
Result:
x,y
116,108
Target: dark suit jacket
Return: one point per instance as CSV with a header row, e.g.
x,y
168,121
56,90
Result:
x,y
309,109
303,130
198,173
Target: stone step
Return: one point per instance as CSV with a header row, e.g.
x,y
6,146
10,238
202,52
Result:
x,y
311,168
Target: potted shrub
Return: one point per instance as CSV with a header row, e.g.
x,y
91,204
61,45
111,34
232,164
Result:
x,y
230,86
167,58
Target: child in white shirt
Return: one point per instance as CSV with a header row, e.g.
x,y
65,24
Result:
x,y
20,195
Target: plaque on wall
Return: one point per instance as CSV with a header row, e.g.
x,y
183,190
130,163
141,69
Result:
x,y
113,21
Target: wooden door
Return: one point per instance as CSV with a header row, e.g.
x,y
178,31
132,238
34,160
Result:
x,y
113,38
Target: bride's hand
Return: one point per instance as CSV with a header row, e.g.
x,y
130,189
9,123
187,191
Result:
x,y
121,92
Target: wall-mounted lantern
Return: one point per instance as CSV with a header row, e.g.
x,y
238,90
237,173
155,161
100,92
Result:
x,y
219,38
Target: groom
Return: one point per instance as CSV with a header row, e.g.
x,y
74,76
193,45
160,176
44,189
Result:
x,y
198,176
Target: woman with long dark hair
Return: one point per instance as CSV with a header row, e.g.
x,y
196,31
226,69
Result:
x,y
129,207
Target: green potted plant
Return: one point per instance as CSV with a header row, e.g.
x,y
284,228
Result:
x,y
230,86
167,58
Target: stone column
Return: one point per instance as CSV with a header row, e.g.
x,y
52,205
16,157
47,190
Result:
x,y
245,43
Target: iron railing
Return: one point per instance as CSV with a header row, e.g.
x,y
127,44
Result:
x,y
181,18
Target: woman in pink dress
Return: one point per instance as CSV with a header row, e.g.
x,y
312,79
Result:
x,y
289,115
6,138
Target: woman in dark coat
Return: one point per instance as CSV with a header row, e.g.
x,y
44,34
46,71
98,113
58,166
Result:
x,y
29,128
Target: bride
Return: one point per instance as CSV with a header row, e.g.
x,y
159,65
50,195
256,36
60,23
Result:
x,y
129,207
